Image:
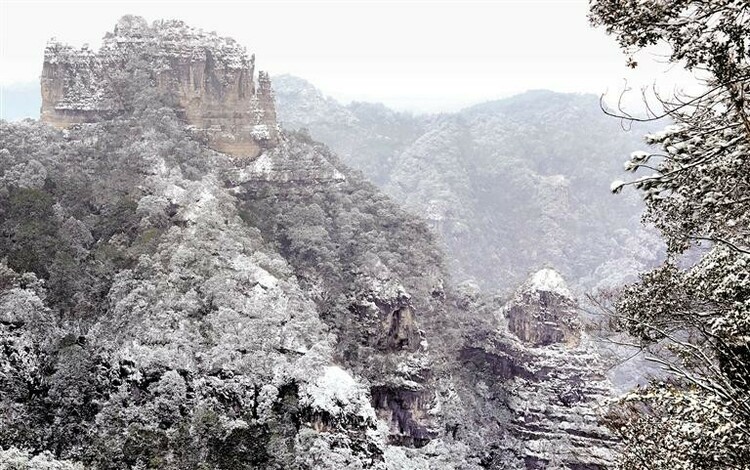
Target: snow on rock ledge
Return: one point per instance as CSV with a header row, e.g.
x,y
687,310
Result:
x,y
543,311
339,395
212,81
549,280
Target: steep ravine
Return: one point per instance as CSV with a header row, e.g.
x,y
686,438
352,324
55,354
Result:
x,y
510,186
169,302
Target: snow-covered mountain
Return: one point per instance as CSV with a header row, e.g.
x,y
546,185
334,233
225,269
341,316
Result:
x,y
511,186
169,300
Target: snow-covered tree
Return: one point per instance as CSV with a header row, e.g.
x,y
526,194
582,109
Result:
x,y
697,305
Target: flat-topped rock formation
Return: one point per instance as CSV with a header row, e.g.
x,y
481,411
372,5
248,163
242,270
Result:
x,y
209,79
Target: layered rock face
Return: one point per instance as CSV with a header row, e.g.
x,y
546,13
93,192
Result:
x,y
543,313
210,79
544,371
276,313
523,391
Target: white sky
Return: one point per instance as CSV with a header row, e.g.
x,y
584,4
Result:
x,y
415,55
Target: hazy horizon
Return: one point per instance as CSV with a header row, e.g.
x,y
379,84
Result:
x,y
13,96
460,54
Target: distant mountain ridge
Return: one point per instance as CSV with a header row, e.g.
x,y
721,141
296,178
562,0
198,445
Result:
x,y
512,185
168,302
20,101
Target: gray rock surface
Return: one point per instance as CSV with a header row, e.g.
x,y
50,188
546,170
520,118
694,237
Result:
x,y
167,305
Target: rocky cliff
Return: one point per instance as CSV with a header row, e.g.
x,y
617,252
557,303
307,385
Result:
x,y
166,305
543,312
556,403
540,378
211,80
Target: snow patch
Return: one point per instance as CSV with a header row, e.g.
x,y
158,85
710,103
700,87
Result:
x,y
258,274
616,186
201,206
261,132
338,393
549,280
262,166
174,193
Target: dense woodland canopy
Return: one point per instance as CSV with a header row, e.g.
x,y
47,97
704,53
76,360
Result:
x,y
165,306
144,306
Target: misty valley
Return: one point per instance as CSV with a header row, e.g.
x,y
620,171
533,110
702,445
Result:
x,y
207,266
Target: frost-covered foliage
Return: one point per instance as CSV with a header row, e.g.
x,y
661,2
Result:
x,y
146,321
16,459
700,34
163,305
696,193
678,426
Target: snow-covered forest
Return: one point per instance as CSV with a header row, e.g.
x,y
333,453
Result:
x,y
203,266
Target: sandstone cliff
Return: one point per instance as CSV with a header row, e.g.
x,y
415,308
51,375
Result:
x,y
211,80
195,309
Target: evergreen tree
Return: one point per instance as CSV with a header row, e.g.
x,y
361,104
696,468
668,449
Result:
x,y
696,306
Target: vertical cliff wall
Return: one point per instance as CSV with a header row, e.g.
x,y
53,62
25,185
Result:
x,y
211,80
536,385
556,404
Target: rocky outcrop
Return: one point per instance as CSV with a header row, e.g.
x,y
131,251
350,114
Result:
x,y
543,313
405,410
402,390
210,79
290,166
555,401
538,383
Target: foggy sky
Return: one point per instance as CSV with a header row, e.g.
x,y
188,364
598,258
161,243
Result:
x,y
414,55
